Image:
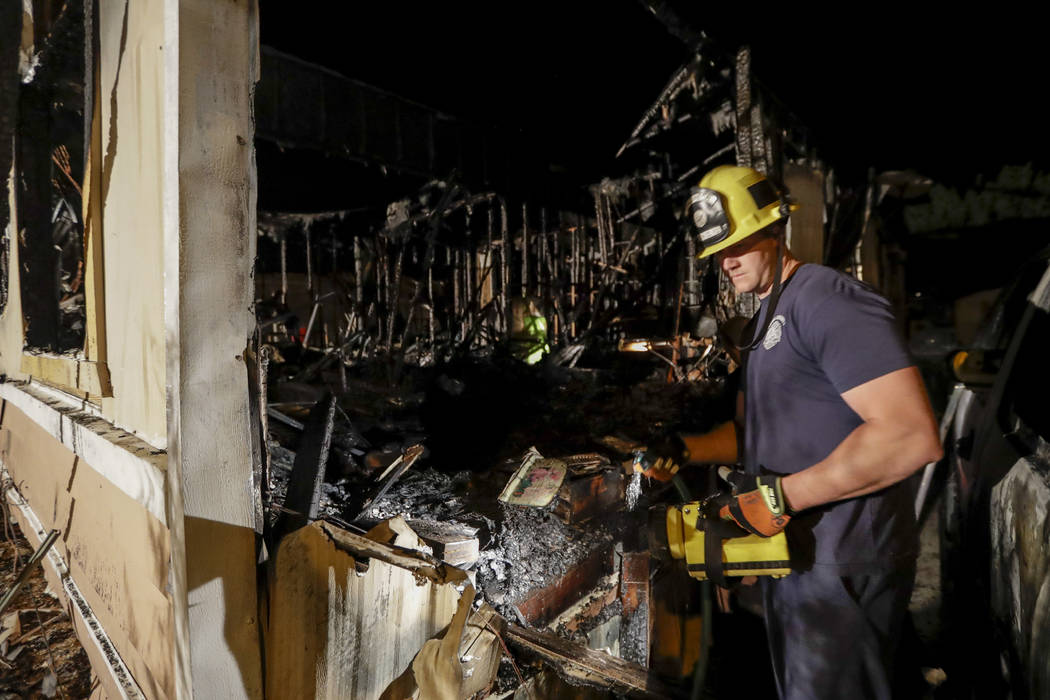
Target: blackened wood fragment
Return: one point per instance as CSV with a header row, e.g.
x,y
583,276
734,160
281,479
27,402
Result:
x,y
304,488
598,667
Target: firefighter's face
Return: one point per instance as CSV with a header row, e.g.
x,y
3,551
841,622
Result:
x,y
751,263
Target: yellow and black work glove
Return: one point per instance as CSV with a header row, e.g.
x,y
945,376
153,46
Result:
x,y
665,457
757,505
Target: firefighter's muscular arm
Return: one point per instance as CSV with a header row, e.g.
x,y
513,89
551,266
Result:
x,y
897,437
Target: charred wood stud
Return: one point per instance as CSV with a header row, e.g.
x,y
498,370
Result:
x,y
490,259
284,269
393,296
359,282
262,373
505,265
524,249
309,264
430,307
302,503
310,323
743,107
457,297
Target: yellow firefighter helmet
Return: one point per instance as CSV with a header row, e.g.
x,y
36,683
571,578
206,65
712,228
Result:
x,y
732,203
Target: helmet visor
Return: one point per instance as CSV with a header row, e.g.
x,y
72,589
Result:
x,y
708,214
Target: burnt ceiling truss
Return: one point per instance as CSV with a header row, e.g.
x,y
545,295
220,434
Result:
x,y
303,105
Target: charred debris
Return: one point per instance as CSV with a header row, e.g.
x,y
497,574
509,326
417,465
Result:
x,y
430,359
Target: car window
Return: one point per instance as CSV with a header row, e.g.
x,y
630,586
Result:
x,y
1002,319
1028,397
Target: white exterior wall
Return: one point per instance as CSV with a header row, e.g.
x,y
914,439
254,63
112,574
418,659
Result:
x,y
171,447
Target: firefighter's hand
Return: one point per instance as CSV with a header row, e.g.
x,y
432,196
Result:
x,y
665,457
761,510
662,469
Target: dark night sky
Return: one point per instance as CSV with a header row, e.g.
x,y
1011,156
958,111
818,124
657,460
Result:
x,y
948,96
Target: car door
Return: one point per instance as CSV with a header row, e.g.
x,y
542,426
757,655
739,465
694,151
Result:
x,y
1007,527
1019,513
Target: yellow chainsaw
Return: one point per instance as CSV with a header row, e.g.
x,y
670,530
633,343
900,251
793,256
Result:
x,y
714,548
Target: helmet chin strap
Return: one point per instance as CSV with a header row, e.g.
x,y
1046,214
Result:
x,y
751,343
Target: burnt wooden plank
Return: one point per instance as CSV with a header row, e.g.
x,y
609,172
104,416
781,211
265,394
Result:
x,y
596,667
634,594
304,488
541,605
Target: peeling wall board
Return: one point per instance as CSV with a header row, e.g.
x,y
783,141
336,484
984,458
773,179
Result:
x,y
110,677
10,29
131,91
125,589
479,651
1020,521
129,463
11,314
209,321
40,467
334,633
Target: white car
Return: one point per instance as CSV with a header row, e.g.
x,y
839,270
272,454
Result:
x,y
995,516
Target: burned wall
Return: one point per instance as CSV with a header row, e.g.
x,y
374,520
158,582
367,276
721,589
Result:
x,y
176,190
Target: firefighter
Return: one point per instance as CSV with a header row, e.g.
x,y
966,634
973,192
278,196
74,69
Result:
x,y
832,418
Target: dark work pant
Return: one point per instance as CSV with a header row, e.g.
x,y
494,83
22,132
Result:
x,y
834,636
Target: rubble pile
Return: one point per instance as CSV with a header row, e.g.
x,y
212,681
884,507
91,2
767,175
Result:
x,y
475,421
531,548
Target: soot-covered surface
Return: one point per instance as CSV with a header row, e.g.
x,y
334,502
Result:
x,y
476,420
529,549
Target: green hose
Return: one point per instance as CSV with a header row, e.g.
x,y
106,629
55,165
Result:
x,y
683,490
706,610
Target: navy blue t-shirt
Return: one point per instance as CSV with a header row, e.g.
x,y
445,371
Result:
x,y
829,334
